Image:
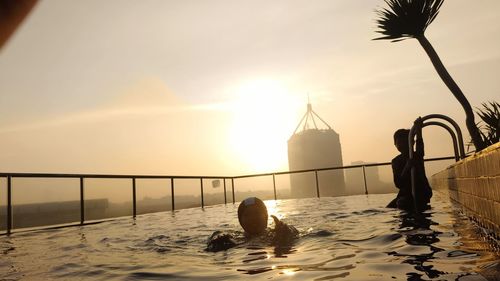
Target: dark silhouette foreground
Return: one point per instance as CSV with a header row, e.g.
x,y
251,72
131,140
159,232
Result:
x,y
252,215
401,169
405,19
12,14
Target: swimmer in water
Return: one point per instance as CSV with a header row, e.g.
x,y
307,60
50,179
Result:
x,y
252,216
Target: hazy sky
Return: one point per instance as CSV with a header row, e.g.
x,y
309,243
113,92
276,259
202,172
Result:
x,y
217,87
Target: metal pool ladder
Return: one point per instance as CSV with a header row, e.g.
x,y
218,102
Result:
x,y
457,139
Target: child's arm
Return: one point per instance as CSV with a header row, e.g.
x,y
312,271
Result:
x,y
419,144
284,234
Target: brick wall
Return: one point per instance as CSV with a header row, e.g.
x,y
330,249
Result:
x,y
474,183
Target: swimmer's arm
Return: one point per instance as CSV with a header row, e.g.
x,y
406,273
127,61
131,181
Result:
x,y
419,144
276,220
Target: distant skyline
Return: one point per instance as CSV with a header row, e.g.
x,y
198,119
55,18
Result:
x,y
217,87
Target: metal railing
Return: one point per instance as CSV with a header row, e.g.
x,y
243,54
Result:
x,y
416,130
133,178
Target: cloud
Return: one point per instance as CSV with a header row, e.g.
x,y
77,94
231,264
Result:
x,y
144,97
113,113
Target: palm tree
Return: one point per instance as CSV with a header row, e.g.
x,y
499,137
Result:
x,y
409,19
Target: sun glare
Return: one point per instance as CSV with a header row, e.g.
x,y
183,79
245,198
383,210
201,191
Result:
x,y
265,112
273,209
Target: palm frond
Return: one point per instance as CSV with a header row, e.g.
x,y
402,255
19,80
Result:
x,y
406,18
490,122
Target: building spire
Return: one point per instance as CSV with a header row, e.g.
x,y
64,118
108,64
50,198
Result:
x,y
309,106
310,115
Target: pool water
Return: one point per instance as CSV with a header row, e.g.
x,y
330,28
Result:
x,y
343,238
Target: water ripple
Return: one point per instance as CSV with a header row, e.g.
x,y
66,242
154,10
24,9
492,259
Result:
x,y
349,238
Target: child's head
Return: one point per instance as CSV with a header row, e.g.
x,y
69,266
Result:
x,y
401,140
252,215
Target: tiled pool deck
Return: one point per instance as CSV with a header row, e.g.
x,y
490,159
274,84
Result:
x,y
474,183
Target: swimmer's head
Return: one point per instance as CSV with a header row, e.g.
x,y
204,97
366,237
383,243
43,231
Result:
x,y
252,215
401,140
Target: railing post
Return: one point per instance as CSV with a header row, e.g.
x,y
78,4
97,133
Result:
x,y
225,196
82,202
201,190
274,186
9,204
317,182
172,193
134,203
232,187
364,180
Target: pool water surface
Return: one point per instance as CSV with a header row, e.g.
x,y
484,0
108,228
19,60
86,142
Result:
x,y
342,238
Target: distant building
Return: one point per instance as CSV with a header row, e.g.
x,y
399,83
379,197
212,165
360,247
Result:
x,y
312,148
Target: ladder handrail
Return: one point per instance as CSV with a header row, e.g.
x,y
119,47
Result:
x,y
452,134
411,142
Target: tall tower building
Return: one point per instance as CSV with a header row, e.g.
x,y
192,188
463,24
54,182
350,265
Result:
x,y
313,147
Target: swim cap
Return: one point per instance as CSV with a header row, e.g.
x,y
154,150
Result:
x,y
252,215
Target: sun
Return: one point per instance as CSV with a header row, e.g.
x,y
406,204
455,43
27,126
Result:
x,y
264,114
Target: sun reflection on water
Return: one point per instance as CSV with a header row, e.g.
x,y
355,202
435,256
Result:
x,y
273,209
289,271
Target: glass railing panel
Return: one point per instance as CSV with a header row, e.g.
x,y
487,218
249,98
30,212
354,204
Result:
x,y
107,198
44,201
331,183
303,185
354,181
153,195
213,191
283,190
379,180
259,186
187,193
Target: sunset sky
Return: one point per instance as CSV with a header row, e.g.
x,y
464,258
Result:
x,y
217,87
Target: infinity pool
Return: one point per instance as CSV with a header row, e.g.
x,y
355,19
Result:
x,y
343,238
